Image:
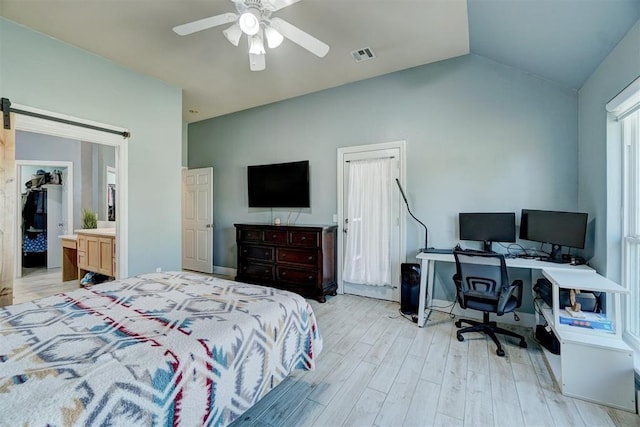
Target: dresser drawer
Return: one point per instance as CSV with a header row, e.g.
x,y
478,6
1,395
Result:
x,y
296,256
256,252
256,271
250,235
275,236
307,239
297,277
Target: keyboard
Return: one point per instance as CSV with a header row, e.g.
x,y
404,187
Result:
x,y
436,251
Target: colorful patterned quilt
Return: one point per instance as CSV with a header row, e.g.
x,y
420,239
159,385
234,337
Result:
x,y
159,349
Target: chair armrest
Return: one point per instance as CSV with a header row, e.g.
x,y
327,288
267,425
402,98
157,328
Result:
x,y
515,289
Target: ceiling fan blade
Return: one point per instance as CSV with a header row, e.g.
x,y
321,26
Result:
x,y
203,24
274,5
300,38
257,62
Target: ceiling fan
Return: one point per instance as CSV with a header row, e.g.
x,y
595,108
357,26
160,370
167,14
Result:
x,y
254,19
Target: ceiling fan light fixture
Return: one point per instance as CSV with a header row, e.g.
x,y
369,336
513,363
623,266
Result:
x,y
233,34
250,22
274,38
256,45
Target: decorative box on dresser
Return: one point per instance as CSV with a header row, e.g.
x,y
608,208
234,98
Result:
x,y
300,259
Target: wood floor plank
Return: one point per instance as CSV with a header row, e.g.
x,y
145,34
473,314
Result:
x,y
443,420
504,393
380,348
366,409
478,358
388,368
436,360
478,409
345,399
395,407
424,403
454,381
593,415
304,415
339,376
531,394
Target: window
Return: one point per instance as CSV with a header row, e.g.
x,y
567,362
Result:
x,y
626,109
631,222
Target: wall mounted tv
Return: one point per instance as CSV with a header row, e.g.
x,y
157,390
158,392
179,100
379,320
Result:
x,y
279,185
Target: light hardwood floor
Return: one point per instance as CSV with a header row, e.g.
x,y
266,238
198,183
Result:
x,y
379,369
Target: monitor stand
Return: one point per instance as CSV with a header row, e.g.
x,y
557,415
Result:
x,y
487,246
555,255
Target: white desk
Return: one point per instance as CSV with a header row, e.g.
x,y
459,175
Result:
x,y
428,268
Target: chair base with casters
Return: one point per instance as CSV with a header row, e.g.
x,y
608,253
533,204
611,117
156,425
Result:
x,y
489,328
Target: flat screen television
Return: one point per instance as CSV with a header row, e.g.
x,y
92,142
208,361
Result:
x,y
279,185
488,227
554,227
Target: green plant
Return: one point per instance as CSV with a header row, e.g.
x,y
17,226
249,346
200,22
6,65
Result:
x,y
89,219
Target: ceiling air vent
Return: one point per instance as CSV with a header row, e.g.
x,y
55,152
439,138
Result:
x,y
364,54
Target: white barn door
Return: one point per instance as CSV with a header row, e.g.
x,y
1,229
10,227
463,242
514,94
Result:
x,y
197,220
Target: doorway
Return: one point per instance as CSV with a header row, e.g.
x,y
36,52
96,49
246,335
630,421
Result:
x,y
62,128
379,238
48,184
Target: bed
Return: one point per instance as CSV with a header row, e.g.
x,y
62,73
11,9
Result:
x,y
157,349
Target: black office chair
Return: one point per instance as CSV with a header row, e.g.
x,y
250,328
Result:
x,y
482,283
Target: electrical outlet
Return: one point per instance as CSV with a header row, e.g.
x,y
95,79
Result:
x,y
335,218
158,269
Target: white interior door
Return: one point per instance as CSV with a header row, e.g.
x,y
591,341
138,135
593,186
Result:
x,y
197,220
55,226
394,152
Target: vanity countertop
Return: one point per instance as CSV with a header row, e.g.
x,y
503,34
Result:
x,y
110,232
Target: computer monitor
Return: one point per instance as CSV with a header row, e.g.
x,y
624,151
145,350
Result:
x,y
488,227
554,227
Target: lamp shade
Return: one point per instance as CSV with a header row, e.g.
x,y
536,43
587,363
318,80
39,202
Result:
x,y
274,38
233,34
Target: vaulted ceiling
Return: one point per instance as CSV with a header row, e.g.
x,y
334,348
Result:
x,y
559,40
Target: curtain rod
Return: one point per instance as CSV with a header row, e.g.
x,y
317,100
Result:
x,y
376,158
5,106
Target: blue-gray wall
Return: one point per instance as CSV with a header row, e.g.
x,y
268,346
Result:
x,y
41,72
599,162
480,137
35,146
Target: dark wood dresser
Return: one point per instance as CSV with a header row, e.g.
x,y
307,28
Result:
x,y
300,259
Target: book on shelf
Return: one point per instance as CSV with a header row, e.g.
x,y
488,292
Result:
x,y
590,321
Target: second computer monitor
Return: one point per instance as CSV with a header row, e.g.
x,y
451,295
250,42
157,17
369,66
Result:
x,y
487,227
554,227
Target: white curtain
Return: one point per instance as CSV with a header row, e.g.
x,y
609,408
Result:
x,y
367,253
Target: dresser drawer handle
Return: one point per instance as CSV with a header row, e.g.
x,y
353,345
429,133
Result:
x,y
266,253
303,238
284,273
310,277
266,271
244,268
274,236
284,256
244,251
310,258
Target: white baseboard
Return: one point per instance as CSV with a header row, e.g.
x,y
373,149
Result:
x,y
527,320
224,271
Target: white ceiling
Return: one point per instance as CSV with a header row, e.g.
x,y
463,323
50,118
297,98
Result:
x,y
562,40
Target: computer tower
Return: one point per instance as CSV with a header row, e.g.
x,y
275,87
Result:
x,y
409,288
